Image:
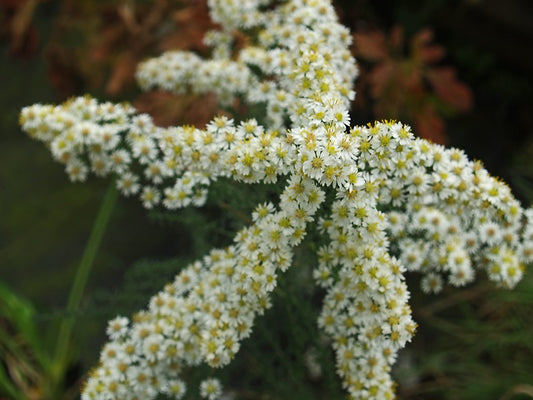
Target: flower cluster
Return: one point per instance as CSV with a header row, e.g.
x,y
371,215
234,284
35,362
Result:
x,y
402,204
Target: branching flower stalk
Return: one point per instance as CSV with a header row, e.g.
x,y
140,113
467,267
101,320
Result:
x,y
402,203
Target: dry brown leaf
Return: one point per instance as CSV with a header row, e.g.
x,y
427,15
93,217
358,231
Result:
x,y
22,35
62,72
189,35
123,73
128,17
11,4
167,109
107,42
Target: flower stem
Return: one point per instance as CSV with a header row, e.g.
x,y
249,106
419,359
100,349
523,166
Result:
x,y
64,337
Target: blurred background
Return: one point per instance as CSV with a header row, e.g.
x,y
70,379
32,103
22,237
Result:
x,y
458,71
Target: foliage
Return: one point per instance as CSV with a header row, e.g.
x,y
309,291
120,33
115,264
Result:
x,y
35,369
401,204
24,363
411,87
96,46
444,375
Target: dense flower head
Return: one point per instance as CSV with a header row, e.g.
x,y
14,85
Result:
x,y
402,203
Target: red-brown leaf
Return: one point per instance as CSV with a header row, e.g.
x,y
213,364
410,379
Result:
x,y
370,45
380,78
422,38
452,92
423,50
396,39
429,125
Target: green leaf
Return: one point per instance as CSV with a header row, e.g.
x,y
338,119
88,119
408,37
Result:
x,y
6,386
20,312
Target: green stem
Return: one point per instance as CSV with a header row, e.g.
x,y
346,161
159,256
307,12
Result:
x,y
61,359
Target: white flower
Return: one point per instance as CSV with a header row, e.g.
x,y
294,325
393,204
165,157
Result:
x,y
174,388
117,328
210,389
128,184
76,170
150,196
431,283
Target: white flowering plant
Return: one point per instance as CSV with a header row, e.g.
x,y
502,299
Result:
x,y
382,201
